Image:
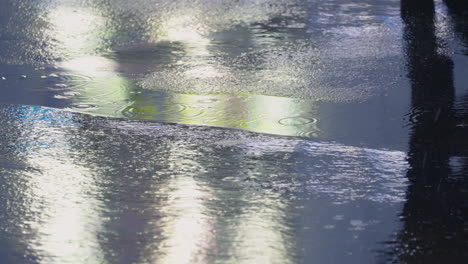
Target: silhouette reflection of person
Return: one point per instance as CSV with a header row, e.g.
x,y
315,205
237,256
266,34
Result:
x,y
435,216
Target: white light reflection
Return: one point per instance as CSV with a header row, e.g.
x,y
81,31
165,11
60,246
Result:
x,y
186,224
266,114
283,116
189,31
184,29
95,85
61,197
77,30
99,89
261,236
90,65
188,230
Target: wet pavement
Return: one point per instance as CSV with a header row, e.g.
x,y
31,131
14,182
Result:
x,y
233,131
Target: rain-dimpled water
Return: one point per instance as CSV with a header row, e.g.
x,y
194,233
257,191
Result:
x,y
249,131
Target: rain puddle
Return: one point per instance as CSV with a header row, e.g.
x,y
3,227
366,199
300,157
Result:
x,y
86,189
250,131
277,67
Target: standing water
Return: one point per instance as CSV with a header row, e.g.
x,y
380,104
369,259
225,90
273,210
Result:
x,y
250,131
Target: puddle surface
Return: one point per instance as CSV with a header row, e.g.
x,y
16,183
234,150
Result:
x,y
263,131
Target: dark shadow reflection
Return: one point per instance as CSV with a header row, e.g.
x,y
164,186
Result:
x,y
435,215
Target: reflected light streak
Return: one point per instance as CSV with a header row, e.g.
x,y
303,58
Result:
x,y
189,31
90,65
266,114
261,239
66,220
109,94
78,30
186,227
105,93
183,29
102,90
66,232
284,116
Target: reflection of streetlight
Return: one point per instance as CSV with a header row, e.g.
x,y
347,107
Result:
x,y
64,219
90,65
96,86
261,234
189,32
284,116
78,30
183,29
187,229
203,72
186,225
106,93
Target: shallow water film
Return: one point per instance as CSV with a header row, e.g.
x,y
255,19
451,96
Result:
x,y
218,131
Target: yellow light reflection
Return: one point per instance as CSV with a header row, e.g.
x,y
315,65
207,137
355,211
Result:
x,y
266,114
98,88
284,116
109,93
95,85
